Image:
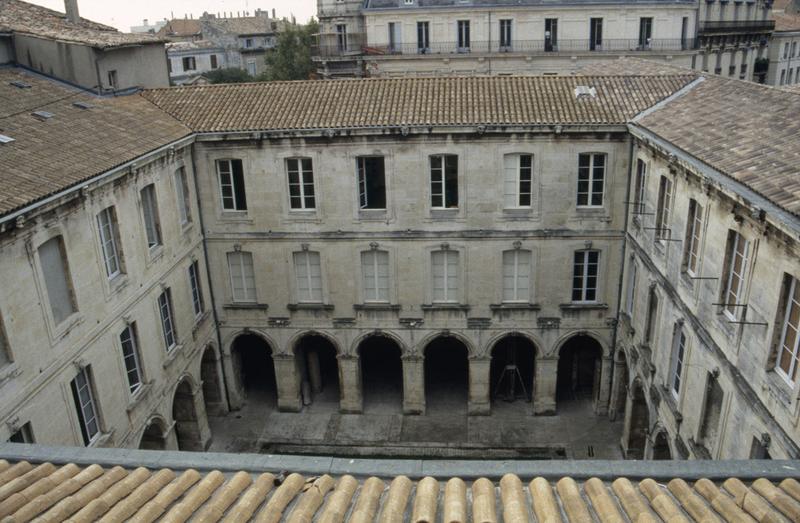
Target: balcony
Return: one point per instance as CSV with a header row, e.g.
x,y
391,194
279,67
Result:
x,y
738,26
338,46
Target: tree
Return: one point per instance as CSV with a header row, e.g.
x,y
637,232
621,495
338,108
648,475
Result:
x,y
291,57
230,75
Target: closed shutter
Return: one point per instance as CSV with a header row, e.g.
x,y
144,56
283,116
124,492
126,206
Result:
x,y
511,169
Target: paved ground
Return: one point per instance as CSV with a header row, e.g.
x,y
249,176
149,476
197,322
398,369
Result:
x,y
445,431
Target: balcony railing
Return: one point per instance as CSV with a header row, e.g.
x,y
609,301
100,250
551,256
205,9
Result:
x,y
518,46
737,26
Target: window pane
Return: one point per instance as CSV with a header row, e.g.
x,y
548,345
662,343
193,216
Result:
x,y
56,278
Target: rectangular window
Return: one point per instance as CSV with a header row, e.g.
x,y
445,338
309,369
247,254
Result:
x,y
251,67
591,179
694,227
517,276
550,34
737,255
243,280
214,63
167,321
57,281
371,182
630,298
130,356
663,230
505,35
676,365
198,304
789,346
645,32
463,36
23,435
189,63
85,405
113,83
231,184
341,36
395,37
152,224
786,50
444,181
640,189
109,241
518,180
375,272
445,276
584,276
595,34
423,37
301,183
308,271
5,349
182,193
248,42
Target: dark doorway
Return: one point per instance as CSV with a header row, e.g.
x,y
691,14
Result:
x,y
187,429
318,370
212,392
661,447
153,436
622,393
512,369
639,423
446,375
253,369
381,374
579,369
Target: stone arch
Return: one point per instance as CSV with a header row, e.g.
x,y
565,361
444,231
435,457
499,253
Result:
x,y
154,435
211,378
564,340
185,415
317,366
291,347
512,368
427,340
661,448
580,373
379,333
446,372
381,370
637,422
537,343
251,369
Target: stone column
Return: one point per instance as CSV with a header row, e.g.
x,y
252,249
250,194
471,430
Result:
x,y
617,390
288,382
601,405
203,430
544,386
233,382
625,439
351,399
413,385
479,401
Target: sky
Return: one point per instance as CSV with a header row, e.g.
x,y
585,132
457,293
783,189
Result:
x,y
123,14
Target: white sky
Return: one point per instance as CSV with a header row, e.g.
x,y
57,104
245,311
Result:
x,y
123,14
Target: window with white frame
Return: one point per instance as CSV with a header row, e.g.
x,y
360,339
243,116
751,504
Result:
x,y
446,273
85,405
231,185
518,180
584,276
663,210
130,356
591,179
167,319
308,274
198,303
152,224
182,193
737,254
109,241
789,344
5,349
517,276
375,274
691,245
189,63
640,189
243,280
505,35
630,298
57,281
371,182
301,183
676,360
444,181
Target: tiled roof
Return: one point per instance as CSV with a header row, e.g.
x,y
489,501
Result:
x,y
249,25
50,155
454,101
787,22
180,27
792,88
629,65
92,493
22,17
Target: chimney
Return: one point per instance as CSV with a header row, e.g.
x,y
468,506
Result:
x,y
71,7
273,12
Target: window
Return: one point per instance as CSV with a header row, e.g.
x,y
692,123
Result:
x,y
395,37
551,34
664,205
55,268
130,356
518,180
423,37
591,179
371,182
301,183
112,79
584,276
189,63
517,276
794,48
694,226
640,189
248,42
463,35
5,349
630,298
595,34
445,276
198,304
786,50
645,32
231,184
505,35
308,271
243,280
167,322
789,345
182,192
375,272
783,77
444,181
735,268
85,405
712,413
23,435
214,63
152,224
251,67
652,311
341,36
676,361
109,241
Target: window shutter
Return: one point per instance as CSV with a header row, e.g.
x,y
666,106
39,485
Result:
x,y
301,274
368,271
523,275
437,266
508,276
383,275
315,276
510,188
452,275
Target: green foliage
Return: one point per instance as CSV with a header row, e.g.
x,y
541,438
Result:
x,y
291,58
230,75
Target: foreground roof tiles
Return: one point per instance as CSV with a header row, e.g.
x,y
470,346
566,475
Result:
x,y
47,492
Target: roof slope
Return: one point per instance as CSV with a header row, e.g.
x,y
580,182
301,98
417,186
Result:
x,y
455,101
56,493
178,27
50,155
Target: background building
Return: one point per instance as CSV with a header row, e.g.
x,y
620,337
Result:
x,y
784,55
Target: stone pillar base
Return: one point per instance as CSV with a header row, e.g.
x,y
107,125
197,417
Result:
x,y
475,408
288,382
351,400
413,385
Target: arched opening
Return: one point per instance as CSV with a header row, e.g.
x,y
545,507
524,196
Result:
x,y
638,423
578,378
153,437
187,429
512,370
318,370
661,446
381,374
254,370
446,375
212,391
